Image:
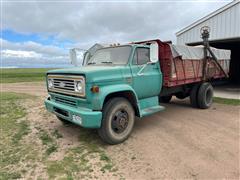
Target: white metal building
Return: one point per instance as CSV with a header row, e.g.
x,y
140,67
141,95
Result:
x,y
224,26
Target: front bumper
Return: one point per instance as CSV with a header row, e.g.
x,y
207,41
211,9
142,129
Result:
x,y
88,118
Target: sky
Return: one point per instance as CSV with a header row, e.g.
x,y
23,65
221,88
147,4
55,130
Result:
x,y
40,33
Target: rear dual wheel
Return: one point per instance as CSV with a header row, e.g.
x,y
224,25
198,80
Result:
x,y
201,95
205,95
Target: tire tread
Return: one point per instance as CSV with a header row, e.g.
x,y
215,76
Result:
x,y
194,96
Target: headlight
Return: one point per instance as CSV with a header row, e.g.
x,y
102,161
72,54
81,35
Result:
x,y
80,86
50,83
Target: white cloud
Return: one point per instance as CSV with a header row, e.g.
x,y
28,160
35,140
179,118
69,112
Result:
x,y
87,23
48,50
28,54
19,54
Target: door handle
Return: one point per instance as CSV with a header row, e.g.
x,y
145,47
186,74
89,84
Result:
x,y
140,73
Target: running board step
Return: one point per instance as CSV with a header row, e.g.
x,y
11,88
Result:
x,y
151,110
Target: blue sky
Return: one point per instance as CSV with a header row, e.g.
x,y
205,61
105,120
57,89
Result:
x,y
18,37
39,34
13,36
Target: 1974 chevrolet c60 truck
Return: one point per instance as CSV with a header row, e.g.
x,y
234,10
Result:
x,y
118,83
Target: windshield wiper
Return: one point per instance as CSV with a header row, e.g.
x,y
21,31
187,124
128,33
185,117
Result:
x,y
91,63
107,62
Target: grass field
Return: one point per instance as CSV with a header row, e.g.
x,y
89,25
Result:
x,y
12,132
27,147
22,75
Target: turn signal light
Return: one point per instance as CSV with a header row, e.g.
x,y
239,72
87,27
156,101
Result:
x,y
95,89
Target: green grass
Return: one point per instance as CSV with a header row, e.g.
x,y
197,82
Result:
x,y
48,141
56,134
78,159
23,146
23,129
13,128
22,75
10,96
234,102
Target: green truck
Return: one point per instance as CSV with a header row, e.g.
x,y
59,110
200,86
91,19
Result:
x,y
119,82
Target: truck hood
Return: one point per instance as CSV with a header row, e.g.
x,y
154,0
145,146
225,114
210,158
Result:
x,y
94,74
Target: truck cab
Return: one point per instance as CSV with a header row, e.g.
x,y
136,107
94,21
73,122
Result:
x,y
116,84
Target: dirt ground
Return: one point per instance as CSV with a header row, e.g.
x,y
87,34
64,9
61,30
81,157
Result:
x,y
178,143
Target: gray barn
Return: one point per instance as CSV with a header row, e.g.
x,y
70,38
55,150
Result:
x,y
224,26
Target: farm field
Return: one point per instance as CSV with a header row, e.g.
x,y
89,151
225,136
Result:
x,y
22,75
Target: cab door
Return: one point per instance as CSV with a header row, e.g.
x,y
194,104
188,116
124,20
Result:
x,y
148,82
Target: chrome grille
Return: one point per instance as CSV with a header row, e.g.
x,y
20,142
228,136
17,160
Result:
x,y
65,84
65,101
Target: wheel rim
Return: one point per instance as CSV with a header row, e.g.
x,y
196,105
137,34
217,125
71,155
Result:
x,y
120,121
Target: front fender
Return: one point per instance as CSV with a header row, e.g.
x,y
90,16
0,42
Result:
x,y
98,98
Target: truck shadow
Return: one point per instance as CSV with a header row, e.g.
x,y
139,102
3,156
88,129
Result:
x,y
76,134
157,120
181,102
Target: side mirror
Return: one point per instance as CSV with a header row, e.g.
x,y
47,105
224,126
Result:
x,y
78,57
154,52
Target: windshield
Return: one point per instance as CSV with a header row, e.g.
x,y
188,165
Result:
x,y
113,55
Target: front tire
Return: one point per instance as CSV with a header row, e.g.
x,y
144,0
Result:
x,y
118,121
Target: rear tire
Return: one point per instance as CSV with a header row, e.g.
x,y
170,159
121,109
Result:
x,y
205,95
118,121
63,120
165,99
194,96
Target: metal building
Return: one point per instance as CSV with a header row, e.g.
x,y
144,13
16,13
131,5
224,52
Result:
x,y
224,26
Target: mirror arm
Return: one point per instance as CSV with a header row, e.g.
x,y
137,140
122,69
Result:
x,y
86,55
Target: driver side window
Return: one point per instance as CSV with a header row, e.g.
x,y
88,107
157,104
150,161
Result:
x,y
141,56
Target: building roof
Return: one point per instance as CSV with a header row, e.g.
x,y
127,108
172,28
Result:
x,y
218,11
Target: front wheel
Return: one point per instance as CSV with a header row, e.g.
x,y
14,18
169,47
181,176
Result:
x,y
118,121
